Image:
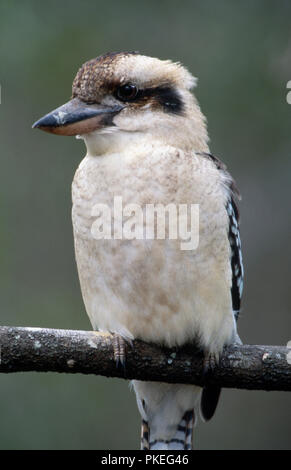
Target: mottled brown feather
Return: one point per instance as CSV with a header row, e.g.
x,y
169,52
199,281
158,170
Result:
x,y
96,77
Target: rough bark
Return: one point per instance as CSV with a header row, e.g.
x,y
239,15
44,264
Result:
x,y
70,351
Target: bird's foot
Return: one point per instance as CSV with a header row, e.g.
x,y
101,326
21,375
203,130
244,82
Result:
x,y
119,350
211,360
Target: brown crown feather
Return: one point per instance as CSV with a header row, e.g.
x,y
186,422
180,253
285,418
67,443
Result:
x,y
96,77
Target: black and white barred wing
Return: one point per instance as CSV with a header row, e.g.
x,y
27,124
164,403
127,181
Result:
x,y
236,256
234,237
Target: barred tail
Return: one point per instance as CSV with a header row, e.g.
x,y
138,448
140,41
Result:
x,y
182,439
145,436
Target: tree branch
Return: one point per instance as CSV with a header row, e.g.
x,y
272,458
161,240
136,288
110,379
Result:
x,y
43,350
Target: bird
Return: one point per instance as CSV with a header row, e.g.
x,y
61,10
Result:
x,y
147,144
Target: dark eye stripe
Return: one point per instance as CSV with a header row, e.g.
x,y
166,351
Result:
x,y
165,96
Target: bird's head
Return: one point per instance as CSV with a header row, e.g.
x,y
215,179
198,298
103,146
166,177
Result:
x,y
119,97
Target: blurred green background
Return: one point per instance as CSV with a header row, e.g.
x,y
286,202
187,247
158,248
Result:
x,y
241,53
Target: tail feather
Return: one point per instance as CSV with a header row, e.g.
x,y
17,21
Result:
x,y
182,439
209,401
145,435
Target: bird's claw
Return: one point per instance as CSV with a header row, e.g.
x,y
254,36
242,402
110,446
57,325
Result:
x,y
211,360
119,350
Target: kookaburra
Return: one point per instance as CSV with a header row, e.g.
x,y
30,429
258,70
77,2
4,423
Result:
x,y
147,143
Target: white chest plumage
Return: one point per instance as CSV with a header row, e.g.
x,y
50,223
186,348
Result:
x,y
151,289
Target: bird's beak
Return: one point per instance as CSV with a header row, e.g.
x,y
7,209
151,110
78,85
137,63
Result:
x,y
77,117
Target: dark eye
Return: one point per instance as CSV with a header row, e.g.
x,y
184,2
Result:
x,y
127,92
